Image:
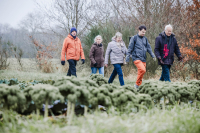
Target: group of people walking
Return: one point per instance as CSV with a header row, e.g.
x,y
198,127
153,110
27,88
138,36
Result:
x,y
165,47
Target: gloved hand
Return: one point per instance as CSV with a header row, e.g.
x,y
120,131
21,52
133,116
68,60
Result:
x,y
83,61
154,58
95,64
63,63
161,60
180,58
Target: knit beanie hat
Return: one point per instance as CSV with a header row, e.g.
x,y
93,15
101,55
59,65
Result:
x,y
73,29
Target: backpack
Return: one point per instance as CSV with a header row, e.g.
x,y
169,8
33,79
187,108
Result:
x,y
135,38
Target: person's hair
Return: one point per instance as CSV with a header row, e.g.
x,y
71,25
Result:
x,y
167,26
141,27
98,37
118,34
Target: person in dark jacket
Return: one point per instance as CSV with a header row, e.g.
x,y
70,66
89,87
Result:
x,y
116,50
96,56
165,47
137,48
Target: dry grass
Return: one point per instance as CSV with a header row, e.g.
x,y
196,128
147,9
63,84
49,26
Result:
x,y
132,76
55,69
30,65
30,70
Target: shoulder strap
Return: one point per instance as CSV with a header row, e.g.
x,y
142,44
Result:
x,y
135,41
146,42
135,38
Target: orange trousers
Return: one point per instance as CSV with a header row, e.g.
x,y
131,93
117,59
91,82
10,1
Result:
x,y
141,66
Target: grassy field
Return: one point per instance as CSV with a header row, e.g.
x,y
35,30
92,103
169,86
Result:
x,y
184,118
178,119
30,70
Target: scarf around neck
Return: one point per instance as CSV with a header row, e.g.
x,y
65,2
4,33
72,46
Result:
x,y
167,46
120,44
73,36
100,45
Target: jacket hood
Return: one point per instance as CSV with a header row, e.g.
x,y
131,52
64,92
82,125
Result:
x,y
96,43
163,34
113,40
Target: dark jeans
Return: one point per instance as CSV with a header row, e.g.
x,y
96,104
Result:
x,y
72,68
117,70
165,73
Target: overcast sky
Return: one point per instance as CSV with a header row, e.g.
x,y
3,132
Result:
x,y
13,11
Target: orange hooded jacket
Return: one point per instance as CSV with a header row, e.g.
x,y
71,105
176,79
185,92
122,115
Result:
x,y
73,49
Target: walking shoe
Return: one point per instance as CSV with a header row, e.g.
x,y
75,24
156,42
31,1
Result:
x,y
136,87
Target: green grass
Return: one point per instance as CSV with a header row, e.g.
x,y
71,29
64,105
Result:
x,y
179,119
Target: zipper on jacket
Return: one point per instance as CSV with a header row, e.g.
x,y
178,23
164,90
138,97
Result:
x,y
144,53
143,48
101,56
75,47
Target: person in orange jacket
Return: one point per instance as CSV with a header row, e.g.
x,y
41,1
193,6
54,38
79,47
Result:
x,y
73,50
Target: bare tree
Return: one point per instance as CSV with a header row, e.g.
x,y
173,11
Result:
x,y
64,14
33,22
18,53
154,14
4,54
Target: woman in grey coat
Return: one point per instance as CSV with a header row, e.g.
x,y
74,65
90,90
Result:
x,y
116,50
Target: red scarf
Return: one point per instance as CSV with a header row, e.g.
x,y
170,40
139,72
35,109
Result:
x,y
165,51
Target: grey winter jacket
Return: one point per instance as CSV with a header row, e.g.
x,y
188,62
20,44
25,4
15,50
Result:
x,y
137,49
116,54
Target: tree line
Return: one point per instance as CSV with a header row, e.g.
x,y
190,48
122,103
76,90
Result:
x,y
50,24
